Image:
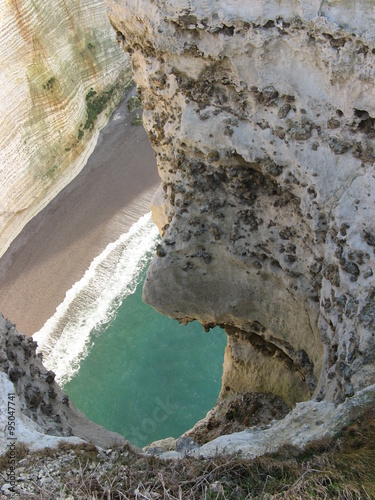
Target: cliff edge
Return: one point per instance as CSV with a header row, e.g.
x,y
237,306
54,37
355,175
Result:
x,y
34,409
262,117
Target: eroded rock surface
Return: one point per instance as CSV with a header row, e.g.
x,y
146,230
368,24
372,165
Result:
x,y
31,399
262,117
62,74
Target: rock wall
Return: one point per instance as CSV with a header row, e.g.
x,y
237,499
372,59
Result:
x,y
41,414
36,412
262,117
55,55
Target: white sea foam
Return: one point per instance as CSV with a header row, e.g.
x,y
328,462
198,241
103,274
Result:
x,y
65,339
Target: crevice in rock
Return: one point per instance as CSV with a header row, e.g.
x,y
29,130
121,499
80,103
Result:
x,y
239,413
291,359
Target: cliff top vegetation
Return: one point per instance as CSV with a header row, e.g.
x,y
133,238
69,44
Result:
x,y
342,467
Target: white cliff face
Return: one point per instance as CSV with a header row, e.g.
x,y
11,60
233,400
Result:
x,y
41,414
52,55
262,115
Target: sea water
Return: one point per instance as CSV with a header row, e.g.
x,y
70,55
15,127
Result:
x,y
124,365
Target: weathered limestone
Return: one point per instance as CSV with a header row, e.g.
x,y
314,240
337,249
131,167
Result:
x,y
53,55
43,414
262,116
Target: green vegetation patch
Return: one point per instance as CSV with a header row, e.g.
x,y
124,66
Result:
x,y
137,119
49,85
95,104
134,103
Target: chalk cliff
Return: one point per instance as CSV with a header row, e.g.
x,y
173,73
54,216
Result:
x,y
262,116
42,414
61,74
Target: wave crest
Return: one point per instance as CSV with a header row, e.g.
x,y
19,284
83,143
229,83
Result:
x,y
66,338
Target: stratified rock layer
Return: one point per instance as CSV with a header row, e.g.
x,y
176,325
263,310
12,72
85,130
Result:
x,y
262,116
52,55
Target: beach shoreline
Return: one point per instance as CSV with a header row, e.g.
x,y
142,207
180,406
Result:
x,y
56,247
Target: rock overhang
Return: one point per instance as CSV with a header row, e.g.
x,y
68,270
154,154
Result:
x,y
262,120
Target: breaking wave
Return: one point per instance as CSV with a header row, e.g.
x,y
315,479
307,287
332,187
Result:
x,y
66,338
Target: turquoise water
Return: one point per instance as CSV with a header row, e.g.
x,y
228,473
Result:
x,y
146,376
124,365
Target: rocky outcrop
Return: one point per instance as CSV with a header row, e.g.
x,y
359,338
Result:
x,y
262,117
36,412
62,74
34,409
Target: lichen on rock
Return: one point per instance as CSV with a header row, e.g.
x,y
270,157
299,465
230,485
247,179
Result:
x,y
262,118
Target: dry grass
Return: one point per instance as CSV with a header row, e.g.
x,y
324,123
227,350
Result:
x,y
340,468
21,451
